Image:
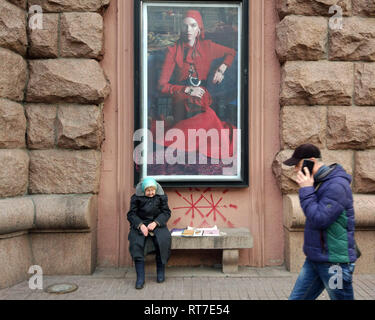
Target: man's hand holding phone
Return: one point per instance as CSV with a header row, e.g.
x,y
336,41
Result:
x,y
305,177
305,180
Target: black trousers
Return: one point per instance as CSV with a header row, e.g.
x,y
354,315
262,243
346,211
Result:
x,y
148,242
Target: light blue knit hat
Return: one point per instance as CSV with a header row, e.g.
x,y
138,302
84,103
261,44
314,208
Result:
x,y
149,182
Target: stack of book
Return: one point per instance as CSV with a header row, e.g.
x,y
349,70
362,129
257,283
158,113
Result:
x,y
196,232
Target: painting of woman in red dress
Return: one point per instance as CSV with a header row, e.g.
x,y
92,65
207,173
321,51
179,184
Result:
x,y
192,71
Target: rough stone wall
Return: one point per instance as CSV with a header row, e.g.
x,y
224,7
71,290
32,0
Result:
x,y
327,93
52,89
51,93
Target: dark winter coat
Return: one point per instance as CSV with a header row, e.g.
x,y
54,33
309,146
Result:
x,y
146,210
329,228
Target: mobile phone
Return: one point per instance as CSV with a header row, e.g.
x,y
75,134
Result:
x,y
309,164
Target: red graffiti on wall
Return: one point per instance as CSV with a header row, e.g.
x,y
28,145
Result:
x,y
205,205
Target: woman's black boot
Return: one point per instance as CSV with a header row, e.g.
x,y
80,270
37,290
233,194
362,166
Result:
x,y
160,270
140,269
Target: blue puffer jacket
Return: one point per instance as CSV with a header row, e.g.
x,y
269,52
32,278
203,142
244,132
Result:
x,y
329,228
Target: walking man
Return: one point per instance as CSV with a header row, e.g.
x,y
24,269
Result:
x,y
327,202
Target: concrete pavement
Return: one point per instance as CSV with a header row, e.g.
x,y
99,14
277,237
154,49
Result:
x,y
182,283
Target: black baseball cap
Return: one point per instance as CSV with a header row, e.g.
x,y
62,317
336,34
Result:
x,y
304,151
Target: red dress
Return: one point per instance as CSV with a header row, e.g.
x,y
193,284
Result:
x,y
180,57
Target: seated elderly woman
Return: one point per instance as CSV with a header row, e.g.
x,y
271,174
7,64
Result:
x,y
148,217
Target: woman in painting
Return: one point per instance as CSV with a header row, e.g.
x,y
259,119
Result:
x,y
188,63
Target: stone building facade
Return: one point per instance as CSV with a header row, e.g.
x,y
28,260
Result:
x,y
327,98
66,125
52,89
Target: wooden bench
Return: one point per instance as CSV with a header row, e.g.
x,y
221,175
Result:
x,y
233,240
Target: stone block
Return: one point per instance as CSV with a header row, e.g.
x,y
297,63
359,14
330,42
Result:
x,y
44,41
364,84
365,240
364,175
354,41
12,28
364,205
13,75
63,253
230,261
294,222
293,250
80,127
342,157
14,172
82,35
316,83
351,127
20,3
364,8
15,259
286,176
63,171
41,126
70,5
12,125
16,214
231,241
295,258
303,124
301,38
60,212
312,7
67,80
294,218
234,238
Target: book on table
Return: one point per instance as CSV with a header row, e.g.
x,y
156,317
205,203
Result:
x,y
188,233
198,233
175,232
211,233
195,232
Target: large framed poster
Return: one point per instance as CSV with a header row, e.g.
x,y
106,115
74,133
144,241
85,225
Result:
x,y
191,117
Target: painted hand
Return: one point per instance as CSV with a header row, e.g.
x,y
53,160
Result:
x,y
197,92
219,74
